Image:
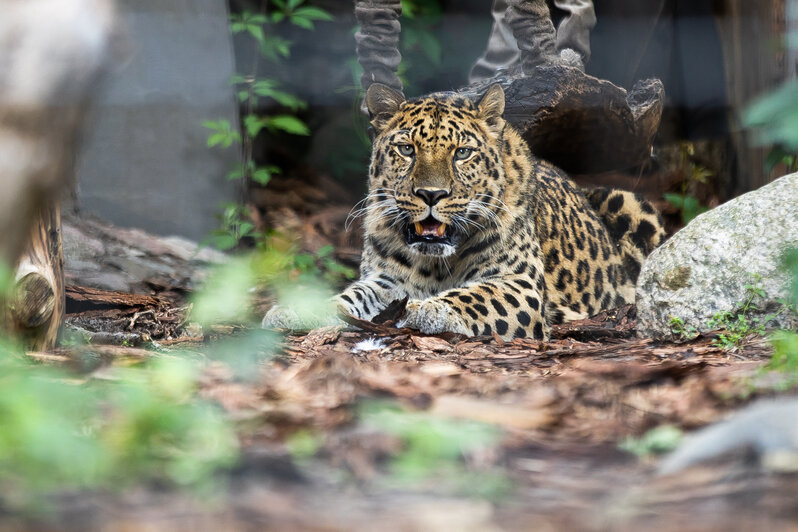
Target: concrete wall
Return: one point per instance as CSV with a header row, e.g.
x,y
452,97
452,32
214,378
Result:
x,y
144,162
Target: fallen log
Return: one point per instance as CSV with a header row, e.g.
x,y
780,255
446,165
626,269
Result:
x,y
37,304
582,124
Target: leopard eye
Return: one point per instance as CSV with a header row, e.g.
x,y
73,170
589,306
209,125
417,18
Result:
x,y
406,149
461,154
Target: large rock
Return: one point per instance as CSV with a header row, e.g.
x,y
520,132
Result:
x,y
704,268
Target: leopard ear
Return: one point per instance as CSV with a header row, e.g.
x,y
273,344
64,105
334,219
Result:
x,y
382,103
491,107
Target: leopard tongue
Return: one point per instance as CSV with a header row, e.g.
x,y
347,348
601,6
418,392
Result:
x,y
429,230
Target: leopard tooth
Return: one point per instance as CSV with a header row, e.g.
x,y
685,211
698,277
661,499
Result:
x,y
419,228
441,229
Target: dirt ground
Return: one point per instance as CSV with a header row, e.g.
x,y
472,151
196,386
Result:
x,y
558,411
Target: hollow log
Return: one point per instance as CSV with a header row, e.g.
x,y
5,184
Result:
x,y
582,124
52,53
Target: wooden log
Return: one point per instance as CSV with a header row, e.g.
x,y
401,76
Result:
x,y
86,298
37,304
581,123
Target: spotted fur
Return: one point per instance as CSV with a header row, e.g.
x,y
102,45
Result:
x,y
523,246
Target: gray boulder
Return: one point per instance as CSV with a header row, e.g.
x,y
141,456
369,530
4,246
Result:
x,y
704,268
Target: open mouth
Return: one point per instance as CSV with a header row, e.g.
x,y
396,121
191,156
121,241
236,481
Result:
x,y
430,231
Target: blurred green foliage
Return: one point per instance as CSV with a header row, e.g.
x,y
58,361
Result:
x,y
251,90
60,431
303,444
775,117
435,449
774,120
226,295
693,174
658,440
295,279
681,329
748,318
785,343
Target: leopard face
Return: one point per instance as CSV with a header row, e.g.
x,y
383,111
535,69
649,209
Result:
x,y
435,178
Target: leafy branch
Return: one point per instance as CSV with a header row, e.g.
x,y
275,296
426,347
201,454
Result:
x,y
252,91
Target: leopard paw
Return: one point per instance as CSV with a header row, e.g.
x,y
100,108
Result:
x,y
432,316
280,317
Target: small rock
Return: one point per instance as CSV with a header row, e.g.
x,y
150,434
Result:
x,y
768,428
704,268
79,246
188,250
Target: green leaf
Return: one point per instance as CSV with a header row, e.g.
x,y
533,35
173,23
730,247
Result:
x,y
278,17
305,262
284,49
245,229
313,13
263,86
225,296
288,100
256,32
777,155
408,9
656,441
238,173
273,48
302,22
677,200
224,242
293,4
216,139
289,124
254,125
263,175
776,115
221,125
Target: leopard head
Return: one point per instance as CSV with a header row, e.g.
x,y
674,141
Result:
x,y
436,175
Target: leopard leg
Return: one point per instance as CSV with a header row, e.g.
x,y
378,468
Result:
x,y
367,297
512,307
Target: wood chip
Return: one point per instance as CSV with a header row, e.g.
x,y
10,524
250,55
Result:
x,y
487,411
441,369
430,343
321,336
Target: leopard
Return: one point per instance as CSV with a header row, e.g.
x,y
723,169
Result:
x,y
478,234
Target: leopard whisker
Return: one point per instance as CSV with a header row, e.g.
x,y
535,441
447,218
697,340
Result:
x,y
500,204
357,211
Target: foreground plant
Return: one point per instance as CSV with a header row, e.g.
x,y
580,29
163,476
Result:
x,y
58,433
252,90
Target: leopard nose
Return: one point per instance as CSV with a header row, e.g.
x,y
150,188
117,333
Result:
x,y
431,197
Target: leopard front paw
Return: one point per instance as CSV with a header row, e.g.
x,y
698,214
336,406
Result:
x,y
280,317
432,316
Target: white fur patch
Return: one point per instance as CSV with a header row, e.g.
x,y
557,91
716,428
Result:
x,y
369,344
